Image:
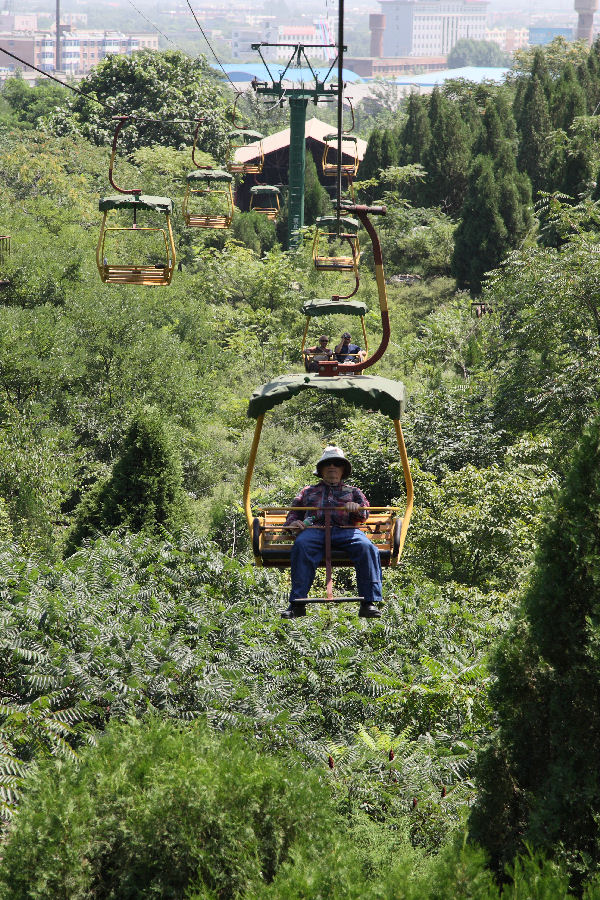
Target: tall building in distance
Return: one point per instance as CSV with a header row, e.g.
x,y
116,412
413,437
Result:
x,y
585,10
431,27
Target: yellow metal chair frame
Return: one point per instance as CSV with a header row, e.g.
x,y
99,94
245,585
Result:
x,y
330,168
131,273
133,199
245,138
271,212
386,526
208,220
4,247
308,357
331,228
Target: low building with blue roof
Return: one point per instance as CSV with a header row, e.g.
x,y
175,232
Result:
x,y
477,74
246,72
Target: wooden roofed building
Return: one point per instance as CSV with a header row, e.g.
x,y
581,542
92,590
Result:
x,y
276,150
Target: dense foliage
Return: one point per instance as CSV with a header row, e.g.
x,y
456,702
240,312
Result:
x,y
539,783
125,579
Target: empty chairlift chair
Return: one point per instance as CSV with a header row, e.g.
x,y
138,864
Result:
x,y
266,199
158,265
208,201
253,158
349,167
333,236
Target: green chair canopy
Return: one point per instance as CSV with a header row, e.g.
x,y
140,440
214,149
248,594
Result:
x,y
245,135
262,189
315,308
135,201
329,223
345,137
209,175
367,391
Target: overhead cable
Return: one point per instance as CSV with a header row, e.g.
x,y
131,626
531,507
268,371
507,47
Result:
x,y
150,22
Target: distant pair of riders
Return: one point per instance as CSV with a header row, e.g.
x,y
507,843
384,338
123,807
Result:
x,y
344,352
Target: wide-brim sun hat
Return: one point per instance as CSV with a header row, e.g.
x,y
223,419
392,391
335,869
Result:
x,y
332,452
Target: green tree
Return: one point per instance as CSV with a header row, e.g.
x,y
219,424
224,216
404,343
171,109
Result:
x,y
389,149
416,134
539,783
535,126
371,161
144,490
161,87
316,198
568,98
447,158
467,52
254,230
31,104
481,237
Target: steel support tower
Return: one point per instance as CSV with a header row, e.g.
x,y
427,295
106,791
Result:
x,y
298,98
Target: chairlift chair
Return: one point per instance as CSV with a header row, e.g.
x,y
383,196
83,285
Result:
x,y
4,247
386,526
329,231
4,254
142,273
212,185
241,139
159,272
315,308
266,199
329,166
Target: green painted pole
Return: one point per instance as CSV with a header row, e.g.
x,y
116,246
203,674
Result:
x,y
296,169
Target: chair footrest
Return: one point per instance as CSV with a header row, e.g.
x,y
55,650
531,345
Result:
x,y
304,600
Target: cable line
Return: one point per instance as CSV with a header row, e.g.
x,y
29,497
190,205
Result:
x,y
109,109
58,81
210,47
150,22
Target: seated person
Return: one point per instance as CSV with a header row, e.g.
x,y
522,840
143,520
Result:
x,y
309,543
314,355
347,352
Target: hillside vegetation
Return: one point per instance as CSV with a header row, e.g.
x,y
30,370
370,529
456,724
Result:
x,y
146,678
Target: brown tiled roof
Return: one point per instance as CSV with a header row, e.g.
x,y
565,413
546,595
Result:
x,y
315,129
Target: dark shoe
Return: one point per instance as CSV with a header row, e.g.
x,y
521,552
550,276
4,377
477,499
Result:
x,y
294,611
369,611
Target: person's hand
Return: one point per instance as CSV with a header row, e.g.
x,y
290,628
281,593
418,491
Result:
x,y
296,527
352,507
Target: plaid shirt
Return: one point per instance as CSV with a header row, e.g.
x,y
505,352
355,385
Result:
x,y
323,494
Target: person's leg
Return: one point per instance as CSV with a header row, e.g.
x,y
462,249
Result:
x,y
307,553
365,556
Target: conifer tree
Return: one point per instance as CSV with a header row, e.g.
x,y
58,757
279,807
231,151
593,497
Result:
x,y
491,136
389,150
535,151
447,158
539,70
514,195
371,161
416,135
316,199
539,780
568,98
481,237
593,84
144,490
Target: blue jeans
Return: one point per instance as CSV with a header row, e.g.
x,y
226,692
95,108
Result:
x,y
309,550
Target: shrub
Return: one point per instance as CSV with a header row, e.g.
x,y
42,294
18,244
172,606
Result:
x,y
144,489
157,810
